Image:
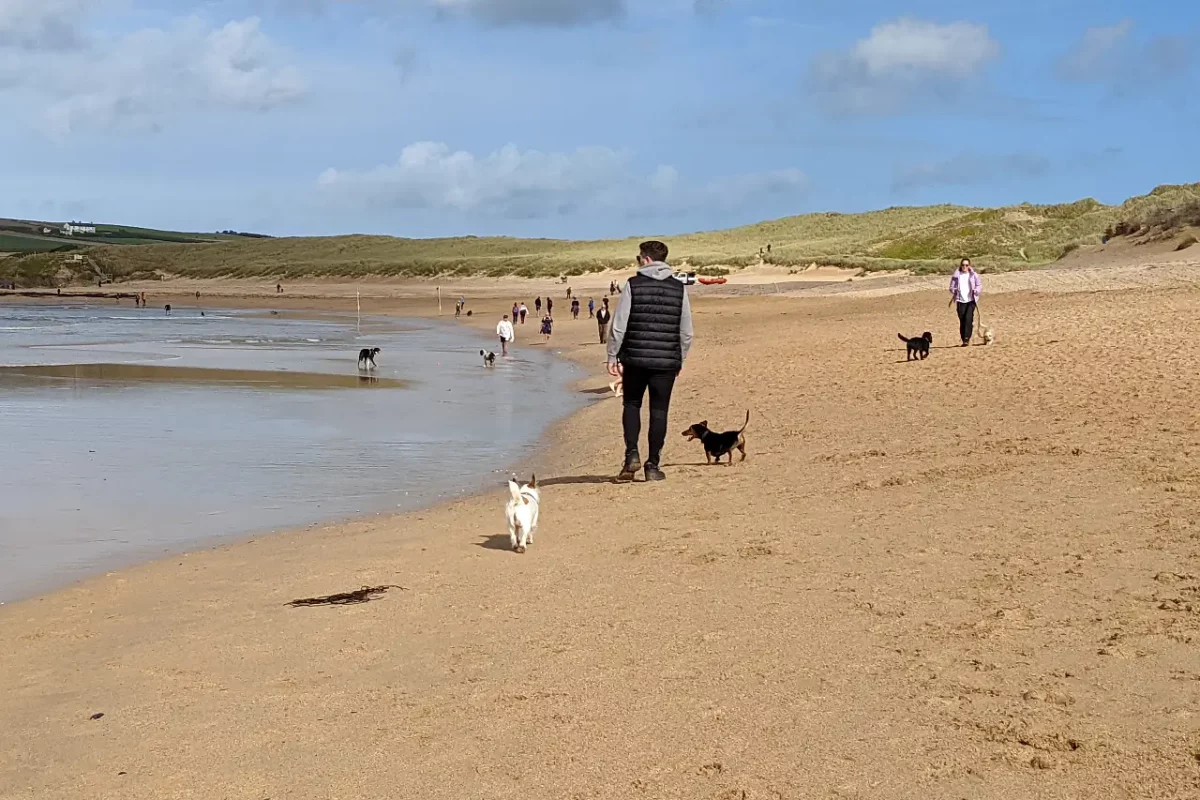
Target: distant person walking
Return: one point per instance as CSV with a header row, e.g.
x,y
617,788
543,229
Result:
x,y
504,329
523,310
537,305
279,288
651,336
549,306
603,317
568,292
547,327
575,308
591,308
516,312
965,287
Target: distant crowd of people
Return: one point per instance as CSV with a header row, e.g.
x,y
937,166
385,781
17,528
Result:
x,y
506,327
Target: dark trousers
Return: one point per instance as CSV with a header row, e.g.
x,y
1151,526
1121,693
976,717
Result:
x,y
603,327
966,320
660,384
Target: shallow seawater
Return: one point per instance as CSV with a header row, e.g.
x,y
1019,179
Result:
x,y
126,434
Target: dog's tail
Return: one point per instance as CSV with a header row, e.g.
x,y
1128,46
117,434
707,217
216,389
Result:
x,y
515,491
902,337
747,422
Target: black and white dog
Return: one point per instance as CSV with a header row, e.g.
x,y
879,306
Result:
x,y
489,358
366,357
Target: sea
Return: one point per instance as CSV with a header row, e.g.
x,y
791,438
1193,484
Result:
x,y
127,434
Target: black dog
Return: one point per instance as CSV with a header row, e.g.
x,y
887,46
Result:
x,y
489,359
918,346
718,444
366,357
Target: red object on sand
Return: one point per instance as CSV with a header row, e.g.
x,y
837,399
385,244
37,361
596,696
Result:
x,y
709,281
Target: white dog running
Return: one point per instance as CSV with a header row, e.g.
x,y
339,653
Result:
x,y
522,513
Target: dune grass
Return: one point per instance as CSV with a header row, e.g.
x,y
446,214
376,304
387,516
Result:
x,y
919,239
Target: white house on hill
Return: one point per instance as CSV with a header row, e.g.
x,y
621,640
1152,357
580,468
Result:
x,y
70,229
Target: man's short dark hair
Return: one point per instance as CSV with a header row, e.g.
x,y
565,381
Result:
x,y
653,250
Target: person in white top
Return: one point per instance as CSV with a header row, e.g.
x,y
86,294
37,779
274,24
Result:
x,y
506,333
965,288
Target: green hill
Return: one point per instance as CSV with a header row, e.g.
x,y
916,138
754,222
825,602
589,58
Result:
x,y
28,236
914,238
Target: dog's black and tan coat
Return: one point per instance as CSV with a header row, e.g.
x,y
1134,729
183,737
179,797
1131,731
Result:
x,y
716,444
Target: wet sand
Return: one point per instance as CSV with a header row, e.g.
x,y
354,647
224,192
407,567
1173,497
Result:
x,y
129,436
202,375
973,576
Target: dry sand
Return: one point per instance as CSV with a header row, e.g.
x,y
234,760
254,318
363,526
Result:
x,y
972,577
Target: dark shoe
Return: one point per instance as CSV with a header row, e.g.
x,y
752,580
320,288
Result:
x,y
632,465
966,343
653,473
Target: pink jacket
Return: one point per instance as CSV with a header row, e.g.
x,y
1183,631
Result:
x,y
976,284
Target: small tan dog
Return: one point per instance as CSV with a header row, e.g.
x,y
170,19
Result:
x,y
985,332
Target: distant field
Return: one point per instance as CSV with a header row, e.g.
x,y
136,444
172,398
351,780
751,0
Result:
x,y
20,243
30,239
919,239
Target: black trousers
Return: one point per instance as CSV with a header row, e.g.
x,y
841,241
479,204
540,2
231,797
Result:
x,y
636,383
966,320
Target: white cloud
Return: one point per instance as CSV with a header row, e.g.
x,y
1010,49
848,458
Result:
x,y
535,12
900,62
549,13
968,169
959,49
529,184
152,73
1091,55
42,24
1111,56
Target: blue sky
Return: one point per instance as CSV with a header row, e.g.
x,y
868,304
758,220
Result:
x,y
581,118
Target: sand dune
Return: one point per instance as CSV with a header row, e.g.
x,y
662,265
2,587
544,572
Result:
x,y
973,576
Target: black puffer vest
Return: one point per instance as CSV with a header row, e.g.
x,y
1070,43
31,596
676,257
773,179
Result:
x,y
652,334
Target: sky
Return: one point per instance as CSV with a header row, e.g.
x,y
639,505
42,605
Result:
x,y
582,118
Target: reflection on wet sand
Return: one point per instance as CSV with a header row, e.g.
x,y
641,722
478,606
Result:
x,y
264,379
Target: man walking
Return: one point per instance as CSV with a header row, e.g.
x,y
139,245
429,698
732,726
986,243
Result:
x,y
965,287
506,333
602,319
651,335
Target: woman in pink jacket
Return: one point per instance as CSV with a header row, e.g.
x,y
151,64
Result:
x,y
964,290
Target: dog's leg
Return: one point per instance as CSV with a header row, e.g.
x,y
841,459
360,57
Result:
x,y
512,536
742,447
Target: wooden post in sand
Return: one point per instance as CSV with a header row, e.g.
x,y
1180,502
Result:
x,y
439,294
358,302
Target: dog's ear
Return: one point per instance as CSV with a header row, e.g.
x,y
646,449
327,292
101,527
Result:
x,y
533,482
702,424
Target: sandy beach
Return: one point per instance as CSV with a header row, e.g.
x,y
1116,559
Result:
x,y
977,576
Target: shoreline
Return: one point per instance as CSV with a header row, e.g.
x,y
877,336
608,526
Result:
x,y
820,619
401,299
315,310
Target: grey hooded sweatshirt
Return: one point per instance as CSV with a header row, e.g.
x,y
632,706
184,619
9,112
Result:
x,y
659,272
